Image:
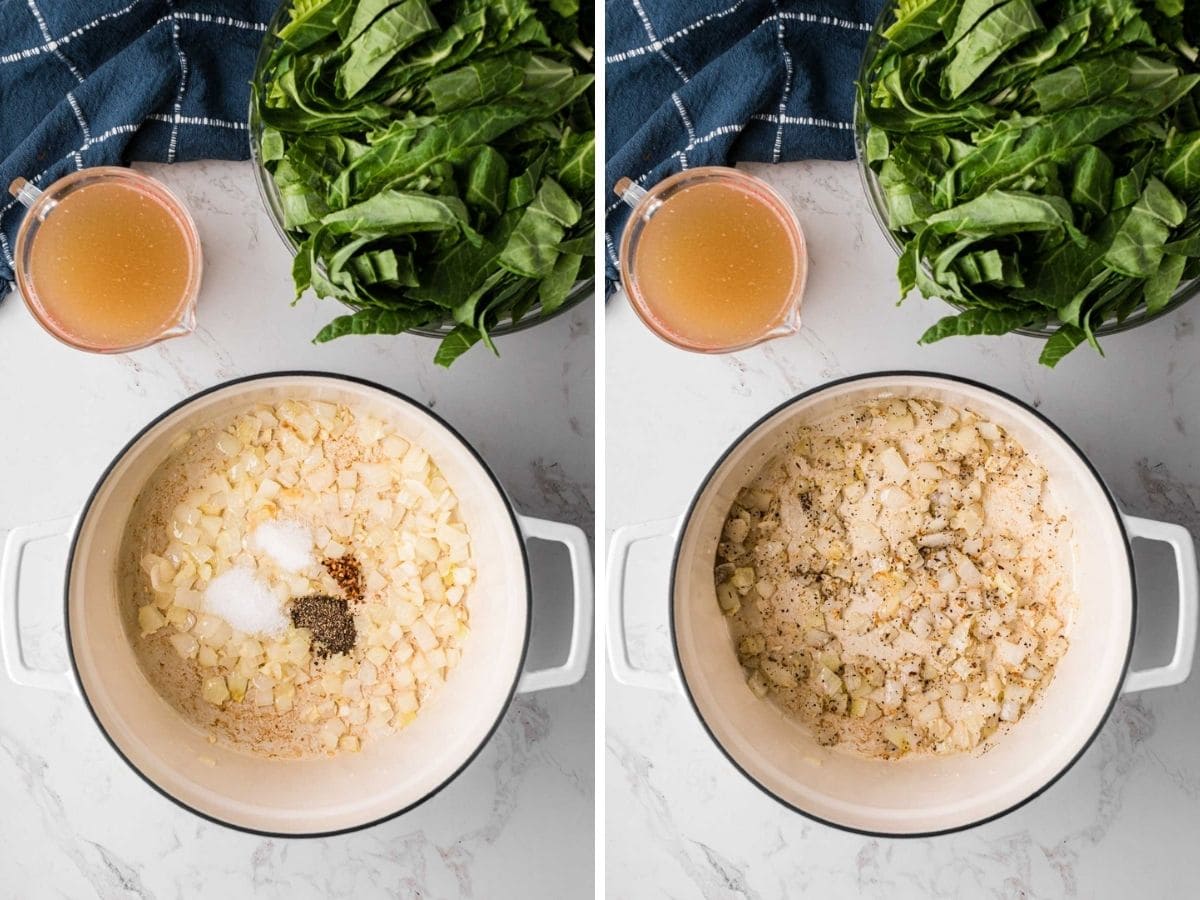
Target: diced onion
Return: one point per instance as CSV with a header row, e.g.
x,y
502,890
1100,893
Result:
x,y
185,645
150,620
727,598
758,684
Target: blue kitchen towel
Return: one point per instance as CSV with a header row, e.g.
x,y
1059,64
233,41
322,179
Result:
x,y
106,82
713,82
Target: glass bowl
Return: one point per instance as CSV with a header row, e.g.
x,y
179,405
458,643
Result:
x,y
269,191
875,199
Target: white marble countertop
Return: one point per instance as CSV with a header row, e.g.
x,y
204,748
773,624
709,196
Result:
x,y
681,822
74,820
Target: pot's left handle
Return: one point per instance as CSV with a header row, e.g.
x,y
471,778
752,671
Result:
x,y
18,670
619,659
571,671
1180,666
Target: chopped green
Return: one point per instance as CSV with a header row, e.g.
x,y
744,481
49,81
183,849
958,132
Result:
x,y
434,159
1039,161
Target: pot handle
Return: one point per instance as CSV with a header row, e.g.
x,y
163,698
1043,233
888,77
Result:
x,y
571,671
622,666
10,621
1180,666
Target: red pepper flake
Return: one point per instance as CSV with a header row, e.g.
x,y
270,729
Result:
x,y
346,571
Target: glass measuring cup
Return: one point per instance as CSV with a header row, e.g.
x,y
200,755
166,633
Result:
x,y
107,260
667,308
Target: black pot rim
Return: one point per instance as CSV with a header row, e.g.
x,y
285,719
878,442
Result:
x,y
297,374
903,373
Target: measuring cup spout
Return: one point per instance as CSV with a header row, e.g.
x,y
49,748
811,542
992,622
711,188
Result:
x,y
185,326
790,325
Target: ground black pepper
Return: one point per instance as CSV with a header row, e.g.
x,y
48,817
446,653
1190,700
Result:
x,y
329,620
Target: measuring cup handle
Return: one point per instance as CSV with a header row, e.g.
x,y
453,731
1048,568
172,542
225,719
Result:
x,y
1180,666
631,193
24,191
20,672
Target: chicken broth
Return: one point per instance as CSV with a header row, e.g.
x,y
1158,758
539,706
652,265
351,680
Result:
x,y
111,266
716,266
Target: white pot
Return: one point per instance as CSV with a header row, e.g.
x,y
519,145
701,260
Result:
x,y
927,795
314,796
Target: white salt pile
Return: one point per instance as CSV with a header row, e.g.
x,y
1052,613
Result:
x,y
245,602
287,542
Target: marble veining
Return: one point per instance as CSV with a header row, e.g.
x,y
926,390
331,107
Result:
x,y
75,822
681,822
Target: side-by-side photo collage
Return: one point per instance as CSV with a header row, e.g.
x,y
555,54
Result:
x,y
638,450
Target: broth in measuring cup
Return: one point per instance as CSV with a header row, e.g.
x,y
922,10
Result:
x,y
108,262
714,261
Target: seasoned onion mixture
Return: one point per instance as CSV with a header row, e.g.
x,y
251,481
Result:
x,y
898,579
291,515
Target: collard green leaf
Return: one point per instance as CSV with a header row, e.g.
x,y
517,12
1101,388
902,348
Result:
x,y
1137,249
554,287
577,163
916,22
455,344
1092,181
397,212
1011,152
451,139
967,15
1189,246
1160,287
532,248
478,82
907,204
487,183
1181,163
1004,212
456,272
1060,344
397,28
311,21
374,321
360,17
584,245
978,321
272,145
984,43
385,267
877,145
523,188
1085,82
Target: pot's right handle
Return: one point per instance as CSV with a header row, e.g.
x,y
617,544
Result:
x,y
623,668
571,671
18,670
1180,666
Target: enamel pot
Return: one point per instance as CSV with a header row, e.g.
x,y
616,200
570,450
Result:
x,y
325,795
918,795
